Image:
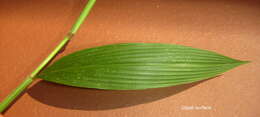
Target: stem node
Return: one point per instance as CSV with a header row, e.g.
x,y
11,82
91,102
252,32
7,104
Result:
x,y
11,97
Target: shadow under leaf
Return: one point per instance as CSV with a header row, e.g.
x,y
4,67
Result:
x,y
94,99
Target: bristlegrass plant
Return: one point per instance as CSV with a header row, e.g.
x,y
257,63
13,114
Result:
x,y
127,66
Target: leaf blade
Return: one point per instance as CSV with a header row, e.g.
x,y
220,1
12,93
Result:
x,y
135,66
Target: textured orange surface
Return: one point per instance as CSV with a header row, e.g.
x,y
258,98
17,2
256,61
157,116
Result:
x,y
30,29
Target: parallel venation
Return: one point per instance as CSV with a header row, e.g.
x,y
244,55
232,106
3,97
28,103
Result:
x,y
134,66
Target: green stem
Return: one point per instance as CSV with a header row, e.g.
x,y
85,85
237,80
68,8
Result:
x,y
11,97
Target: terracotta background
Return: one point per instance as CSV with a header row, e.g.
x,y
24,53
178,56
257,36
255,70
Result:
x,y
30,29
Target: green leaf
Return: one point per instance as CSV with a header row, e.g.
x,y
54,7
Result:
x,y
134,66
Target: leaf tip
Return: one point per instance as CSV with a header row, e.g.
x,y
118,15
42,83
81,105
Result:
x,y
240,62
244,62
